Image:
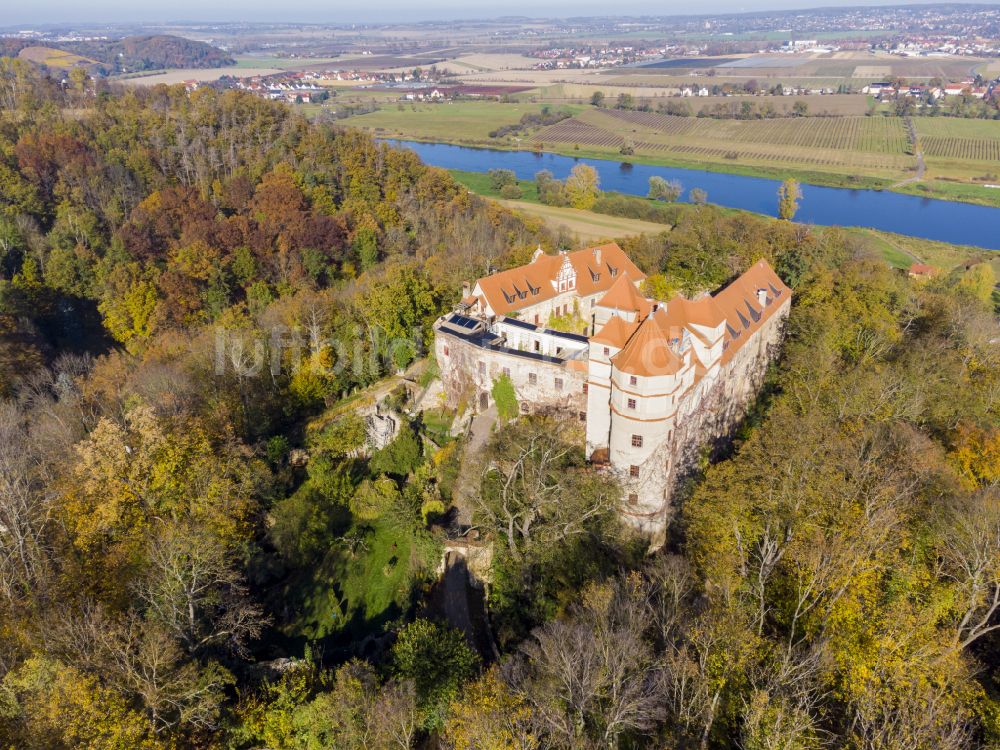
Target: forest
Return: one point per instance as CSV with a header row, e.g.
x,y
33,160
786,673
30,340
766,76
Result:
x,y
134,53
198,550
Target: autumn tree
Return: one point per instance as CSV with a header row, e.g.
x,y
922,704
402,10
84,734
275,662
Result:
x,y
583,186
789,195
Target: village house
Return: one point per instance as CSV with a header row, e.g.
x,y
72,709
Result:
x,y
653,380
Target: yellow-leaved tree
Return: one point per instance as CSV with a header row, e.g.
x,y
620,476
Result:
x,y
490,716
583,186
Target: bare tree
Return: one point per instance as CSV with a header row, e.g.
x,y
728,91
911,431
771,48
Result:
x,y
535,490
594,676
970,557
194,590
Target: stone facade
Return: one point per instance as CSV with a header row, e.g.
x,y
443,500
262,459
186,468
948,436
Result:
x,y
548,369
655,381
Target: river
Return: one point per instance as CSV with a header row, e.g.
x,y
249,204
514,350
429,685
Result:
x,y
928,218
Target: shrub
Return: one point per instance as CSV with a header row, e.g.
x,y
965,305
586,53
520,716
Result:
x,y
511,192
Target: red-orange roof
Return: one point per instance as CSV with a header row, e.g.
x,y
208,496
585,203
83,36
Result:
x,y
648,352
922,269
740,302
597,269
615,332
701,312
624,296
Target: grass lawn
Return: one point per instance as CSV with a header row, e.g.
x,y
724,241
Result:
x,y
588,226
479,183
355,593
438,422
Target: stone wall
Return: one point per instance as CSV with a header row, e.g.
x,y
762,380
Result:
x,y
704,422
469,371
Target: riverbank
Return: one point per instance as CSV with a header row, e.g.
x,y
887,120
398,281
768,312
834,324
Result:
x,y
473,123
895,212
898,250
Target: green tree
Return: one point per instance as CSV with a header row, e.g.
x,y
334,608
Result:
x,y
597,98
399,457
625,101
500,178
505,397
438,660
664,190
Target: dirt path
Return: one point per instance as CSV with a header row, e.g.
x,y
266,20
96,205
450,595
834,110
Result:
x,y
468,477
911,129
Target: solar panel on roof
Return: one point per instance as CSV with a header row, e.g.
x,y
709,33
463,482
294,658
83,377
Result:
x,y
463,322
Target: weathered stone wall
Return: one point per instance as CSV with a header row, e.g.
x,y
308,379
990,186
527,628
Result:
x,y
703,422
469,371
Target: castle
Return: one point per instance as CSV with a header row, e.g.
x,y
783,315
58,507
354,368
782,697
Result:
x,y
654,381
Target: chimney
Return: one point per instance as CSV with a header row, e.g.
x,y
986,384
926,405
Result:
x,y
538,254
597,255
762,297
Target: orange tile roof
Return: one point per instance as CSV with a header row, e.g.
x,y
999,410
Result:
x,y
922,269
615,332
624,296
742,309
648,352
701,312
597,268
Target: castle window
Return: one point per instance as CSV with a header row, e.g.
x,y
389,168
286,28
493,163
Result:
x,y
633,380
506,371
532,378
536,319
633,471
631,403
586,388
583,416
524,407
538,346
446,350
633,498
637,441
607,351
482,367
559,384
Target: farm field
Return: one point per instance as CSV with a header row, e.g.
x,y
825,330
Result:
x,y
53,58
196,74
455,122
872,146
955,138
962,156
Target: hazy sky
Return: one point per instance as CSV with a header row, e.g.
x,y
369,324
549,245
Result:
x,y
75,11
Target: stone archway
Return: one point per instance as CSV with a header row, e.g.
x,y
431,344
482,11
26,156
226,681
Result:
x,y
484,401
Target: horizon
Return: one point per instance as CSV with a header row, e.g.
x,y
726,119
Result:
x,y
189,12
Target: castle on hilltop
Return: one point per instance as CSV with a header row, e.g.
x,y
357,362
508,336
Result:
x,y
654,381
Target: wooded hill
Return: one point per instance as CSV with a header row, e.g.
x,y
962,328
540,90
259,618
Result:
x,y
133,53
196,550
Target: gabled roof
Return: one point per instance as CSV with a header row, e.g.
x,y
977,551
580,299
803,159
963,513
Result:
x,y
624,296
741,305
615,332
597,269
682,312
648,352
